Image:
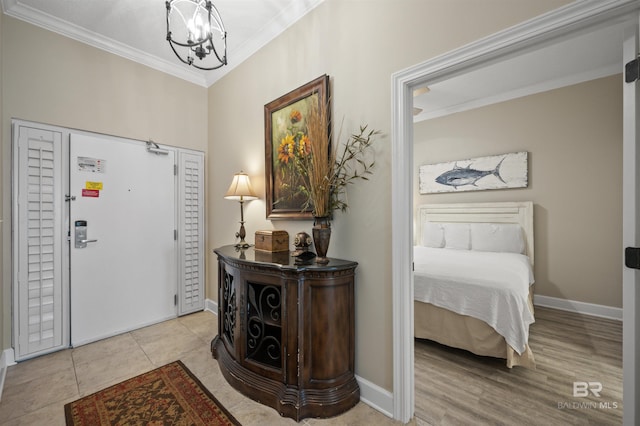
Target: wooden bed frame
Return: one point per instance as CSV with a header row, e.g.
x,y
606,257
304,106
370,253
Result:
x,y
460,331
520,212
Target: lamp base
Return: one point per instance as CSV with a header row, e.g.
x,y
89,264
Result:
x,y
243,244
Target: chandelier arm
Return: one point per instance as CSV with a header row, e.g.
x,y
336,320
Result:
x,y
179,12
193,64
176,10
168,5
215,52
200,43
178,55
217,18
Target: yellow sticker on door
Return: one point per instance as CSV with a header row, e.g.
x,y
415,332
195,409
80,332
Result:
x,y
93,185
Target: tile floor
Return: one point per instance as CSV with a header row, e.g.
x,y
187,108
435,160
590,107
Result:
x,y
36,390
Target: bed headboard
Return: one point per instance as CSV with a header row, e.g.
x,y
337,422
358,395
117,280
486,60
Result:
x,y
520,212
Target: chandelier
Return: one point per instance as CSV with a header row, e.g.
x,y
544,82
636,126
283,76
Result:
x,y
196,34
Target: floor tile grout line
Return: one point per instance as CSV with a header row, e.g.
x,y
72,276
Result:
x,y
247,408
146,355
75,371
56,403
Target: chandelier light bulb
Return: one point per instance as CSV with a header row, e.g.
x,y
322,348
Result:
x,y
198,30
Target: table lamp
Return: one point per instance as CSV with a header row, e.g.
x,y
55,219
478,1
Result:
x,y
241,190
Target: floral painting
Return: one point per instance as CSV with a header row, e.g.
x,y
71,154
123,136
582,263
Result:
x,y
285,139
290,129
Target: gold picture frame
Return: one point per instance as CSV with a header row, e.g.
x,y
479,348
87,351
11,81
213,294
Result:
x,y
284,125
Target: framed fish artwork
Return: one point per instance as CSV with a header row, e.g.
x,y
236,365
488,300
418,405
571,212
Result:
x,y
494,172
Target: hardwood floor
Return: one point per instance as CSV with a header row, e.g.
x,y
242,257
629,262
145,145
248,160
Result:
x,y
455,387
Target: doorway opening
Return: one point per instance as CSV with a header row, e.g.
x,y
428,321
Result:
x,y
569,21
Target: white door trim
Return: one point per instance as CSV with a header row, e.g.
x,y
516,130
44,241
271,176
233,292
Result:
x,y
631,234
547,28
10,355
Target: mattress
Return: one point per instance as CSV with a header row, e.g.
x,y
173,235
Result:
x,y
491,287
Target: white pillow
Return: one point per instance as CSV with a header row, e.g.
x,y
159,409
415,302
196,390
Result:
x,y
433,235
497,237
457,236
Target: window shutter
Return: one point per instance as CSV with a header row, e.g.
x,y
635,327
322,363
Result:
x,y
191,231
39,225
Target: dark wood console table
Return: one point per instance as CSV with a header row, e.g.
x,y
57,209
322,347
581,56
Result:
x,y
286,331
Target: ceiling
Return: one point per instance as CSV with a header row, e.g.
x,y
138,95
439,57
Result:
x,y
585,56
136,29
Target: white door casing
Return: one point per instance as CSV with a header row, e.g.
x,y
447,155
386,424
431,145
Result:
x,y
41,224
631,233
127,278
575,17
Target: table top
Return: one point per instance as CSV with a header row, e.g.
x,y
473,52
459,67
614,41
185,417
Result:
x,y
280,260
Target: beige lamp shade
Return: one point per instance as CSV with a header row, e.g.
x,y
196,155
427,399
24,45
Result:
x,y
240,188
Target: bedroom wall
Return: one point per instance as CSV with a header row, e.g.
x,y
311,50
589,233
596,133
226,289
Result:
x,y
574,139
52,79
359,45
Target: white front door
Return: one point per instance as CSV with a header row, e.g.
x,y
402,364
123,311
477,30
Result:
x,y
124,271
631,234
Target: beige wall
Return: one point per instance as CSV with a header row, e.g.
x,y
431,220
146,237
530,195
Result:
x,y
51,79
359,44
574,139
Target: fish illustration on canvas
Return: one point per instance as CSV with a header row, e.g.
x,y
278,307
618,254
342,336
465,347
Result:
x,y
460,176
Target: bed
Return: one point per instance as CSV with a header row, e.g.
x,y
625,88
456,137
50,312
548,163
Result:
x,y
473,277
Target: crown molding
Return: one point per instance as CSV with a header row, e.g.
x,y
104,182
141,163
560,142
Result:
x,y
271,29
16,9
533,89
289,16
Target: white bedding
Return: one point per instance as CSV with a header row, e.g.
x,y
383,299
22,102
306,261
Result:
x,y
492,287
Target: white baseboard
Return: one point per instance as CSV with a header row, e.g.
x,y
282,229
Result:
x,y
579,307
382,400
211,306
370,393
376,397
6,360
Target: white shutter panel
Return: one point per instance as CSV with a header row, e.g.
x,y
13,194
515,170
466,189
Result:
x,y
38,226
191,231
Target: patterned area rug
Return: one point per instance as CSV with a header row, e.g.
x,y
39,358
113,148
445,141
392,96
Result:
x,y
169,395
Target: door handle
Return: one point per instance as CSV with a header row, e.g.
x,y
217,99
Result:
x,y
632,257
81,239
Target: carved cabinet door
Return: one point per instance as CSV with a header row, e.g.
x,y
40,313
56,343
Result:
x,y
228,307
263,324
